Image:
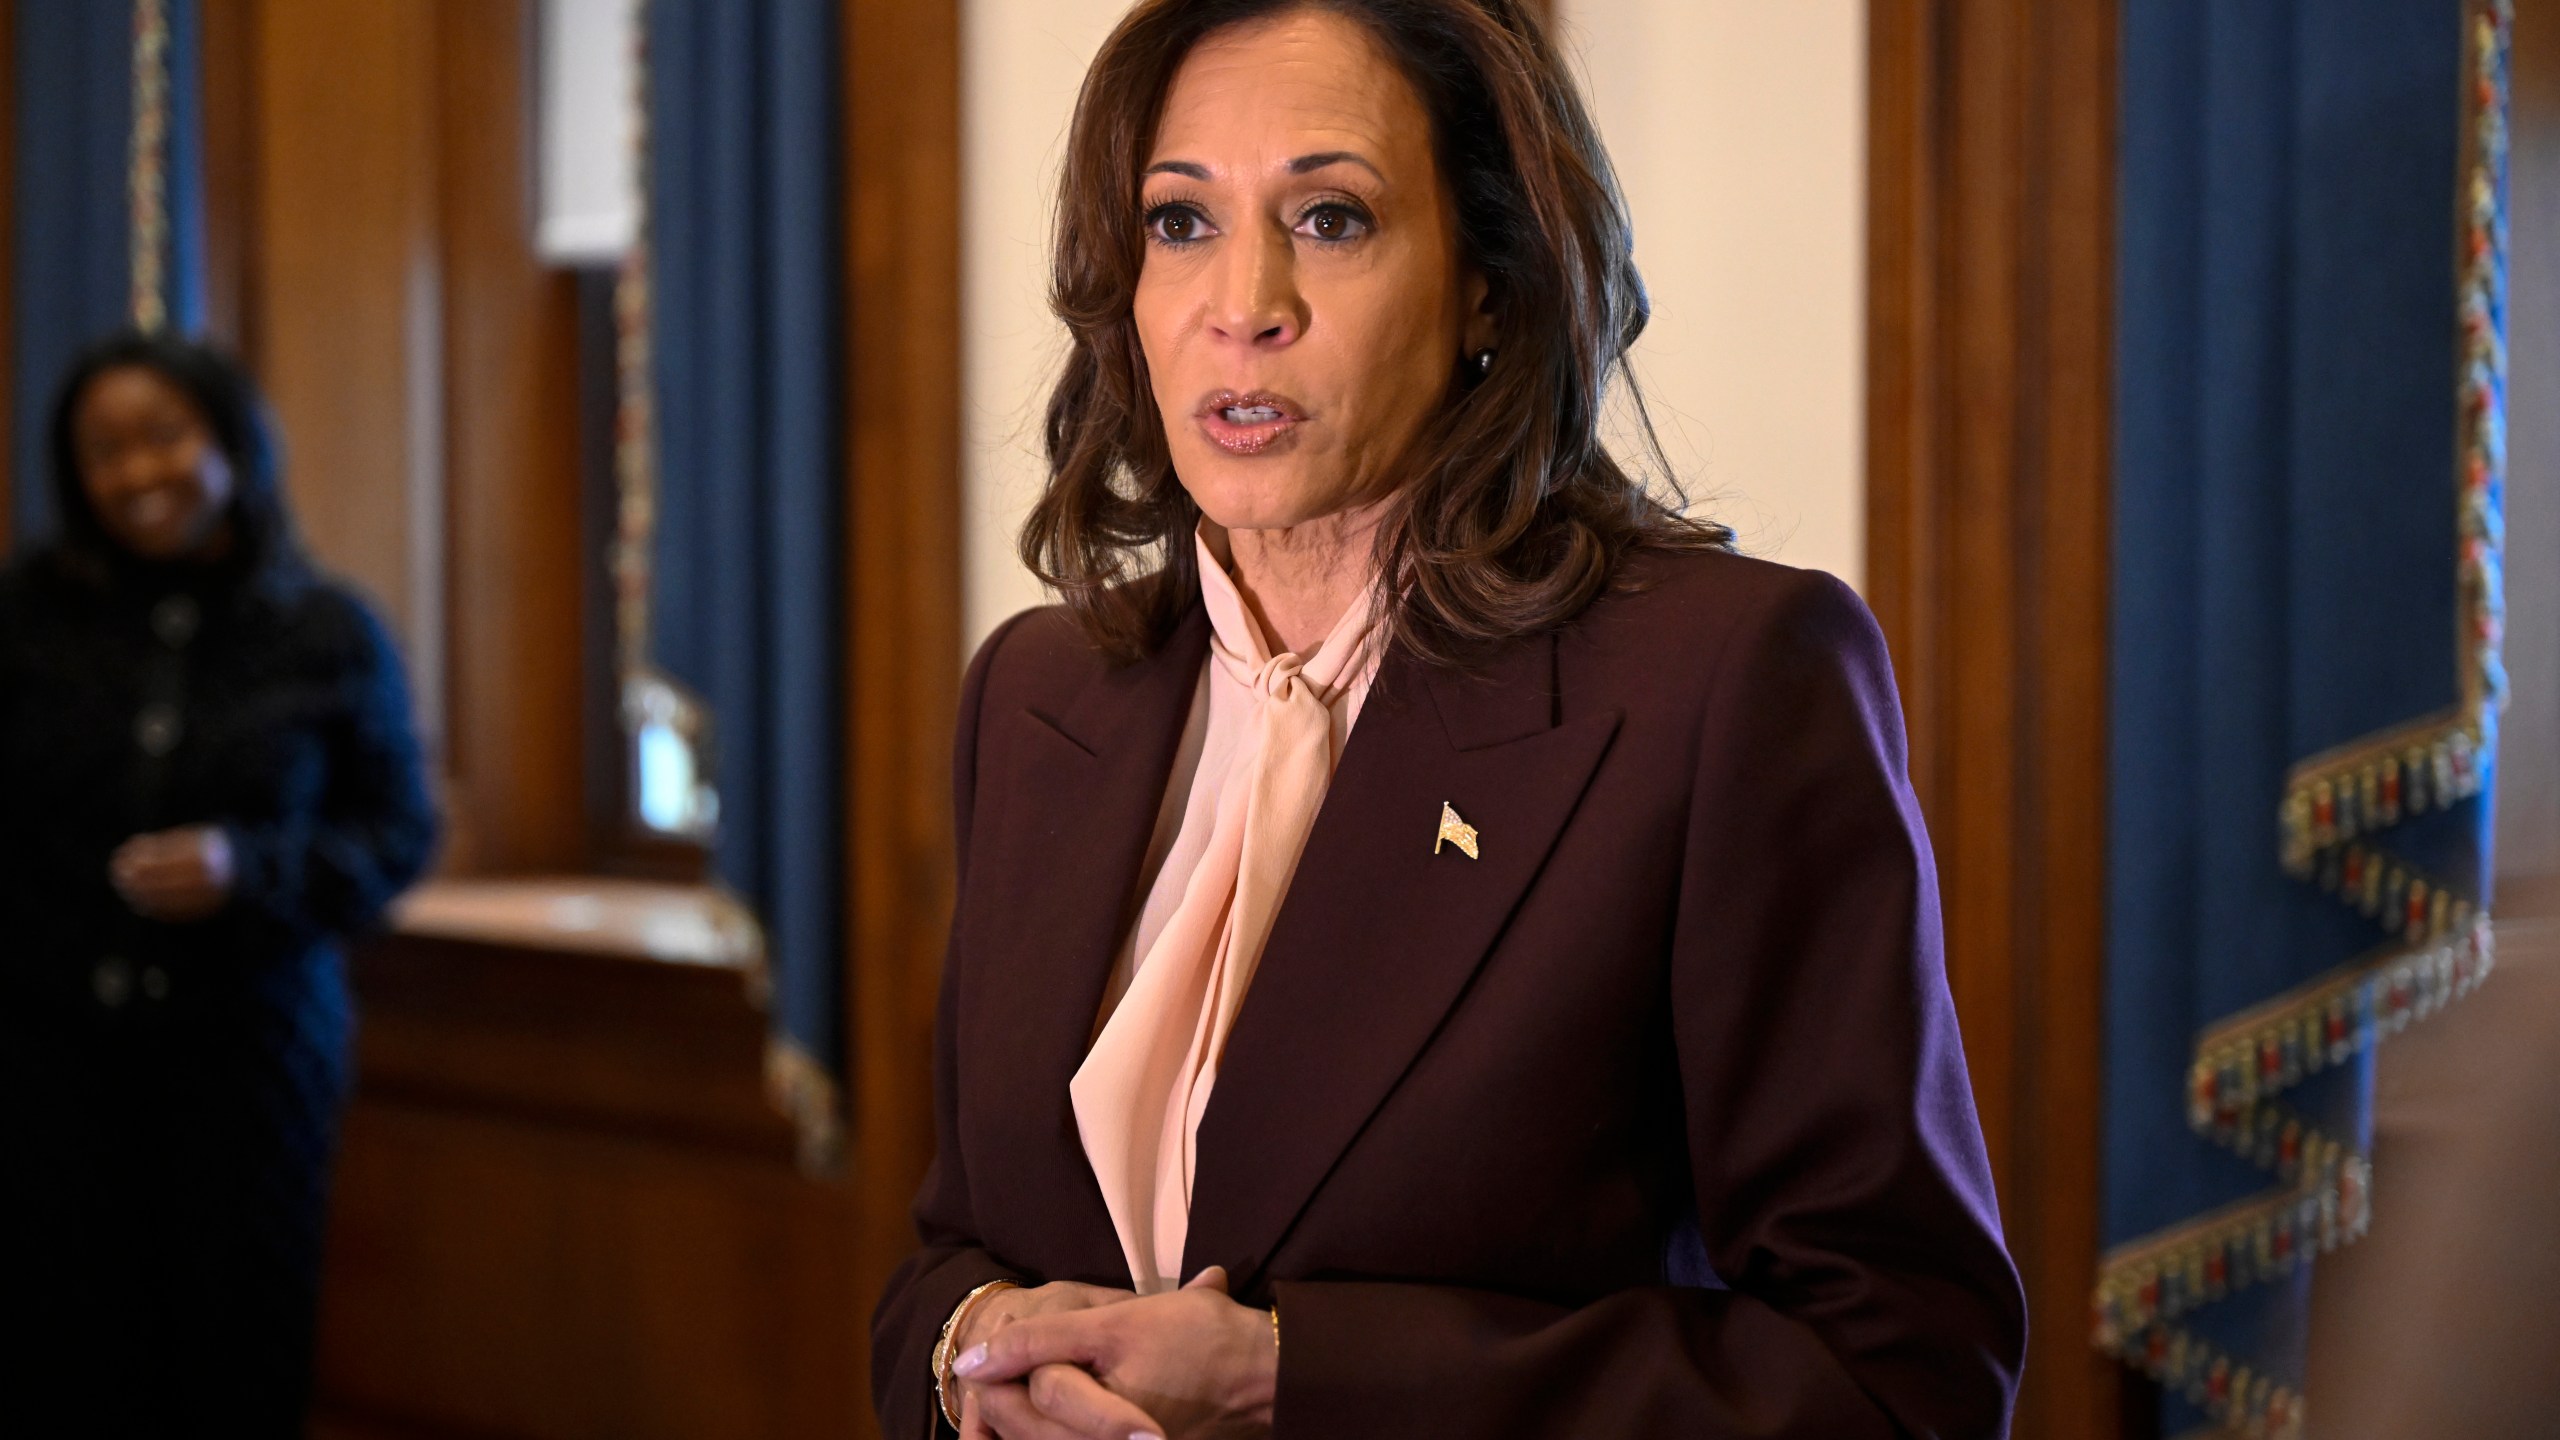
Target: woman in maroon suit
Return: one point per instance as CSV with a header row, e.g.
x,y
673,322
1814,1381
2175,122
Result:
x,y
1445,948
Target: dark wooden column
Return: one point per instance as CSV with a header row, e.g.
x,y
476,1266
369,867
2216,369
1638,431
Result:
x,y
515,739
902,147
1991,223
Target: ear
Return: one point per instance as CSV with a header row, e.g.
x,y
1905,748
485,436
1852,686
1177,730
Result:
x,y
1481,326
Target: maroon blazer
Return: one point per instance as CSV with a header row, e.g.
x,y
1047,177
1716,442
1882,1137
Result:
x,y
1653,1121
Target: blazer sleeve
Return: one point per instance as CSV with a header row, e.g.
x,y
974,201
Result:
x,y
1842,1190
923,1291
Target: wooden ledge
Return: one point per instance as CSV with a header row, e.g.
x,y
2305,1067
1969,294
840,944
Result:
x,y
633,919
602,1005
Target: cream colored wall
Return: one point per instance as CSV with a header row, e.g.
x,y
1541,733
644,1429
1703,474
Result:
x,y
1737,127
1021,61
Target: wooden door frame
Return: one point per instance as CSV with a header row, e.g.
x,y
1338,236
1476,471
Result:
x,y
1990,332
902,597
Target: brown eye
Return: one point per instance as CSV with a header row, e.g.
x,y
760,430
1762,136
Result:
x,y
1335,223
1174,223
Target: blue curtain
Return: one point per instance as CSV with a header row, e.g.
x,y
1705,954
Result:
x,y
72,85
747,582
2310,272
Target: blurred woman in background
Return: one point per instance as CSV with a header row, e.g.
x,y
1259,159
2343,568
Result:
x,y
208,776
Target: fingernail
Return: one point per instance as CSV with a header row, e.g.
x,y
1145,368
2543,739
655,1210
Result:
x,y
1145,1435
970,1361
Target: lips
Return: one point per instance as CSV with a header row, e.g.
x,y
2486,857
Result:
x,y
1249,422
151,509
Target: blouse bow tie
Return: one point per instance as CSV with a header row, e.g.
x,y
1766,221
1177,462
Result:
x,y
1144,1085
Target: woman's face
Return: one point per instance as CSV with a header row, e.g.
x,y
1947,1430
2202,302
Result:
x,y
1303,304
155,476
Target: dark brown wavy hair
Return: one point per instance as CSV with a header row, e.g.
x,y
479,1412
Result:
x,y
1517,515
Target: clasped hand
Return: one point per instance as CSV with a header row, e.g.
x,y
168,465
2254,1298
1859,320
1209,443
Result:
x,y
175,875
1077,1362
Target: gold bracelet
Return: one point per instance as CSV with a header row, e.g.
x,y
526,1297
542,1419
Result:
x,y
942,1356
1275,1329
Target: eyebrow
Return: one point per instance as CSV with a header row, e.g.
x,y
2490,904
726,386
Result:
x,y
1305,163
1299,166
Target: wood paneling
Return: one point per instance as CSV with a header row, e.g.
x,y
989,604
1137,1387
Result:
x,y
902,143
1991,195
370,238
347,304
515,739
564,1209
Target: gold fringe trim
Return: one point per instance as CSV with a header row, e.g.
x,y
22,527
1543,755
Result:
x,y
2405,900
806,1091
2270,1048
147,169
2276,1138
2237,1399
800,1087
2430,764
2164,1276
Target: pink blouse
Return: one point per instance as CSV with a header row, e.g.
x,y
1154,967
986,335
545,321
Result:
x,y
1257,754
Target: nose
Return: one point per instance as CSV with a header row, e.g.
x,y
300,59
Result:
x,y
121,470
1257,301
143,467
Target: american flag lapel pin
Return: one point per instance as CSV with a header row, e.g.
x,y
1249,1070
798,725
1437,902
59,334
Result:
x,y
1454,831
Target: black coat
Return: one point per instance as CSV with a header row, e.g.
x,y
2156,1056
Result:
x,y
170,1091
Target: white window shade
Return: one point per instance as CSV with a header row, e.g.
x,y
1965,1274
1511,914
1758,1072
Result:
x,y
590,206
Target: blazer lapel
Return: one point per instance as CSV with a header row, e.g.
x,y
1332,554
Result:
x,y
1082,791
1379,935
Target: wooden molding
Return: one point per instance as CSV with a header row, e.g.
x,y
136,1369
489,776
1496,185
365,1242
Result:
x,y
229,44
1991,295
901,88
514,758
347,329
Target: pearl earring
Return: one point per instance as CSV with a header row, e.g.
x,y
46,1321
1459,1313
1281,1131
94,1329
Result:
x,y
1484,362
